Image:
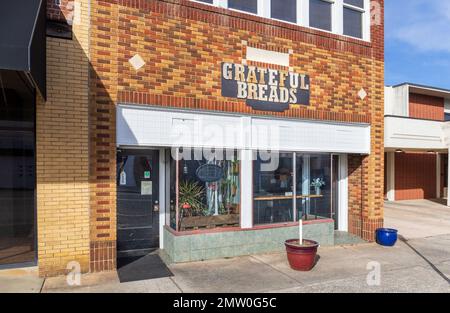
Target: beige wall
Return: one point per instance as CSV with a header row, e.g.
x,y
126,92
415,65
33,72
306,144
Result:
x,y
62,153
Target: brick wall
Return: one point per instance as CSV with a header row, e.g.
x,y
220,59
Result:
x,y
426,107
415,176
62,12
62,154
175,36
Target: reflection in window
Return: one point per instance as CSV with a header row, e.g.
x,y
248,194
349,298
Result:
x,y
207,191
313,186
285,10
250,6
17,169
356,3
274,191
352,23
320,14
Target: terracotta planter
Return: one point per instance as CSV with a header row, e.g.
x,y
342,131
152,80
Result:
x,y
301,258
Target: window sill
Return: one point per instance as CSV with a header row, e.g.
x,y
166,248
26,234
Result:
x,y
235,229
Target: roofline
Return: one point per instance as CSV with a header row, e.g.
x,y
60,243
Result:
x,y
423,87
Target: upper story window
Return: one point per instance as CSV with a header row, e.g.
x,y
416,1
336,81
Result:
x,y
250,6
320,14
285,10
342,17
353,18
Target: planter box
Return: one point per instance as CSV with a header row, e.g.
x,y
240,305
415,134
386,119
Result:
x,y
207,222
179,247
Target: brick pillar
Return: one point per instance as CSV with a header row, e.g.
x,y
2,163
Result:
x,y
366,173
103,134
62,143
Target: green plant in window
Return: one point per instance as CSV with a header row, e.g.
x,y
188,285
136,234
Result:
x,y
190,195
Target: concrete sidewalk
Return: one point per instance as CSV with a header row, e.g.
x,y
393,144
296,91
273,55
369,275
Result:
x,y
340,269
20,280
418,218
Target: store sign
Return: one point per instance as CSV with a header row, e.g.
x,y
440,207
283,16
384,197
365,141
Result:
x,y
264,89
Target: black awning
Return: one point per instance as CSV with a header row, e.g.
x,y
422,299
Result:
x,y
23,41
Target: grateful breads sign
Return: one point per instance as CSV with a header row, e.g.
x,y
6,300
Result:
x,y
264,89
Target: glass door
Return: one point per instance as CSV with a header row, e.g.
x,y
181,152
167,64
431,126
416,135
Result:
x,y
137,202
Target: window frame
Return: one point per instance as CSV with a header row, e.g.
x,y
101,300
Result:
x,y
295,191
365,11
337,15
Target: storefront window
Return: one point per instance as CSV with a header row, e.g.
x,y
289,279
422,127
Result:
x,y
273,191
276,199
313,186
207,191
17,169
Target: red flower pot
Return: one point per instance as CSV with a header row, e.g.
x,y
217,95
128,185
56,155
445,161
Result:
x,y
301,258
186,206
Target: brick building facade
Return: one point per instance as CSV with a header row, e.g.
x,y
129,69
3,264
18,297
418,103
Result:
x,y
94,82
416,143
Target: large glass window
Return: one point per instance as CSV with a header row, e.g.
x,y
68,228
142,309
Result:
x,y
277,199
320,14
250,6
206,1
273,191
206,190
313,186
17,169
285,10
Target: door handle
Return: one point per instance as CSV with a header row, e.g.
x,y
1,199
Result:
x,y
156,206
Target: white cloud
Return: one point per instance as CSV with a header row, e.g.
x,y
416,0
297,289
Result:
x,y
422,24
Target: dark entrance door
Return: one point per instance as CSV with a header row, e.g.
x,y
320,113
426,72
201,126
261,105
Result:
x,y
137,202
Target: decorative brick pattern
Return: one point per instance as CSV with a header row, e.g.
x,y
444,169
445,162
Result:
x,y
62,154
103,92
182,43
299,111
103,256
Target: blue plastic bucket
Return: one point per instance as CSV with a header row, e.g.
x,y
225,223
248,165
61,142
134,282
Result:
x,y
387,236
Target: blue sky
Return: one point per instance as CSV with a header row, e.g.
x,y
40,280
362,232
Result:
x,y
417,34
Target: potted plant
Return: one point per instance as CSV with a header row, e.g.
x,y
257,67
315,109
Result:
x,y
317,183
301,253
190,197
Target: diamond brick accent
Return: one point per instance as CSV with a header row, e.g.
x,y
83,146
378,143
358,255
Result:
x,y
137,62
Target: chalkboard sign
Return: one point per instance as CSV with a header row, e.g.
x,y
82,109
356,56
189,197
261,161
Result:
x,y
209,173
